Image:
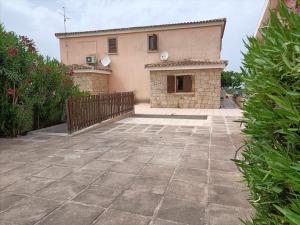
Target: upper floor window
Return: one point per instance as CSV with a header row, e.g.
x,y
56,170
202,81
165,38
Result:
x,y
112,46
152,42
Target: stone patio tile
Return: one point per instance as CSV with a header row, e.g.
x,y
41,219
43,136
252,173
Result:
x,y
193,163
29,169
116,180
72,213
8,199
102,196
98,165
222,215
10,165
54,172
153,185
228,196
166,222
158,171
128,167
195,154
165,160
138,202
142,157
29,185
229,148
224,166
28,211
190,175
115,156
117,217
61,190
8,178
182,211
226,179
85,176
188,191
222,155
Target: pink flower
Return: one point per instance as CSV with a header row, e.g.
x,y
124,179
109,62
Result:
x,y
11,91
12,51
290,3
71,72
297,10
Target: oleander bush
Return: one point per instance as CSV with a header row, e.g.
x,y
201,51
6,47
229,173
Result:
x,y
33,89
271,160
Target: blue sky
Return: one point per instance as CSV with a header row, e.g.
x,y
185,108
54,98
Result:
x,y
39,19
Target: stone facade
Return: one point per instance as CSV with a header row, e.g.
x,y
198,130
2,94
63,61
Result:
x,y
205,93
95,83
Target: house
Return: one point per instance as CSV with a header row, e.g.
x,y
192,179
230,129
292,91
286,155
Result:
x,y
273,6
168,65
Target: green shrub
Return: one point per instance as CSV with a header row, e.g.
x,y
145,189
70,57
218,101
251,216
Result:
x,y
231,80
33,89
271,160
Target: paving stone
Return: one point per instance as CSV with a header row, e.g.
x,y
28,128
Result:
x,y
115,156
84,176
128,167
98,196
226,179
29,185
165,222
222,155
72,213
156,186
189,191
98,165
116,180
8,178
10,165
61,190
224,166
117,217
221,215
138,202
28,211
54,172
228,196
192,163
190,175
142,157
182,211
158,171
8,199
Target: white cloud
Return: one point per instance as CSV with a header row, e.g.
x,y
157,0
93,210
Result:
x,y
40,19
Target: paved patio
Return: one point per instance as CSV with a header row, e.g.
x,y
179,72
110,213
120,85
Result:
x,y
126,173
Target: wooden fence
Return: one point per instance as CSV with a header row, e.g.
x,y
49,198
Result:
x,y
88,110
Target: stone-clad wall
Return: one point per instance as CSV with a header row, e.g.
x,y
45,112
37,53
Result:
x,y
95,83
206,90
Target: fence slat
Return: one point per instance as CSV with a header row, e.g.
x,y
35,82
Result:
x,y
85,111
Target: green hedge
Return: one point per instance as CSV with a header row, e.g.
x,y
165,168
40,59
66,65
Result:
x,y
271,164
33,89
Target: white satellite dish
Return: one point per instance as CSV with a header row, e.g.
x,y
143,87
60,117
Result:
x,y
105,61
164,56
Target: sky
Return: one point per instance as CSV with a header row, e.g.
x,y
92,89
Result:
x,y
40,19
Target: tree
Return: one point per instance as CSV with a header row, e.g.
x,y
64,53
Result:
x,y
231,80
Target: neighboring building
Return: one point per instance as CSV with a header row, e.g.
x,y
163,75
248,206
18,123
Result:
x,y
273,5
190,77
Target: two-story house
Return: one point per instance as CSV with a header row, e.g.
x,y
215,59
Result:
x,y
168,65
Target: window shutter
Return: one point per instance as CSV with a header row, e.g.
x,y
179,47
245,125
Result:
x,y
187,83
171,84
152,39
112,45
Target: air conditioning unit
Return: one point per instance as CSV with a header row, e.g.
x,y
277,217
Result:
x,y
90,59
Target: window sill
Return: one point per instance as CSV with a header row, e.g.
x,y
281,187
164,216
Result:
x,y
182,93
112,53
153,51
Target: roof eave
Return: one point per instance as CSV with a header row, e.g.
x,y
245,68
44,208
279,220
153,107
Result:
x,y
214,22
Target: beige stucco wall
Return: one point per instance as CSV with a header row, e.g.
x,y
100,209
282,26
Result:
x,y
95,83
128,72
206,90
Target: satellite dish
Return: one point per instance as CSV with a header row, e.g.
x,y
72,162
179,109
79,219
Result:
x,y
164,56
105,61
